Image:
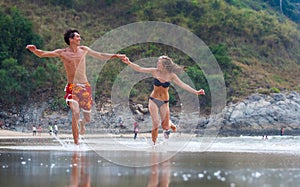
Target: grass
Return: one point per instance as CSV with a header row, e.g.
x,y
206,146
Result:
x,y
263,45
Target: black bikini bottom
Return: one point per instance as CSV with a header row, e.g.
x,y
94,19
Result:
x,y
158,103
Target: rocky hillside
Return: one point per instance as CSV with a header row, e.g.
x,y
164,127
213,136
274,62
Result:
x,y
257,115
256,45
255,35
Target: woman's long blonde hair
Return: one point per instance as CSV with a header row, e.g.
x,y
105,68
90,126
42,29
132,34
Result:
x,y
170,66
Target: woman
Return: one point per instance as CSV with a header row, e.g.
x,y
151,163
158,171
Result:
x,y
163,74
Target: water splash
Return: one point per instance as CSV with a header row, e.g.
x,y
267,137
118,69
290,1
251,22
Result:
x,y
59,140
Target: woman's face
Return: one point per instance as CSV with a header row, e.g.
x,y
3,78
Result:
x,y
160,65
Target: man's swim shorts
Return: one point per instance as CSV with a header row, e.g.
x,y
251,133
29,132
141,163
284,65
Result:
x,y
81,94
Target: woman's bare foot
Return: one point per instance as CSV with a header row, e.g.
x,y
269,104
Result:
x,y
173,127
154,135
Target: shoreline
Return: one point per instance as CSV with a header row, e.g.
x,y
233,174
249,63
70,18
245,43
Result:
x,y
12,140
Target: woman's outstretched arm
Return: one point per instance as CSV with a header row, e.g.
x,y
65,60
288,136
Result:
x,y
187,87
137,67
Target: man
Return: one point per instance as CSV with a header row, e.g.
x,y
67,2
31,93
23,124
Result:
x,y
78,90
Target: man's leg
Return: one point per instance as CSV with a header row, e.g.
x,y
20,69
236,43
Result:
x,y
75,119
86,119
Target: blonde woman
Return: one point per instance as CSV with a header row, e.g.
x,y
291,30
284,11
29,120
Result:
x,y
163,74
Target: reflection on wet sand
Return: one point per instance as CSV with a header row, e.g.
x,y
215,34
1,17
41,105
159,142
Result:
x,y
160,172
85,168
80,176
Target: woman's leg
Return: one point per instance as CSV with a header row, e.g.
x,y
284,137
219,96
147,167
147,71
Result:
x,y
153,109
165,116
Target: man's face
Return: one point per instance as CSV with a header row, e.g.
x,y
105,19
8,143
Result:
x,y
76,39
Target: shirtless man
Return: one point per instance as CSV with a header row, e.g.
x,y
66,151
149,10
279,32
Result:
x,y
78,90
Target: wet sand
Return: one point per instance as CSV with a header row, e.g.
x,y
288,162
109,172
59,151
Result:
x,y
233,161
177,142
52,168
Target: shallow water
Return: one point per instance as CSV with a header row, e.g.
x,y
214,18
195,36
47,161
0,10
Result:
x,y
87,168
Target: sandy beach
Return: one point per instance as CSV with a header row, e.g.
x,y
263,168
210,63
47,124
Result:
x,y
15,134
177,142
8,134
184,160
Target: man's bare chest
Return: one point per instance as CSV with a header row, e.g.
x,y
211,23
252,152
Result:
x,y
73,59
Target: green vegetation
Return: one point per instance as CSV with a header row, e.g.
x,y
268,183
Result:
x,y
16,81
255,42
16,31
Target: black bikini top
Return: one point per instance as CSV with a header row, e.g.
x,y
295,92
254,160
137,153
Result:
x,y
158,83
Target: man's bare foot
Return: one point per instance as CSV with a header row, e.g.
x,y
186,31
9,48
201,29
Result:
x,y
82,127
76,141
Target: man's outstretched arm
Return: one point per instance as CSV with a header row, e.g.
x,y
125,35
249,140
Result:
x,y
103,56
41,53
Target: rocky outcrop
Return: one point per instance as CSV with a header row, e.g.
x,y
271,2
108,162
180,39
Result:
x,y
256,115
262,114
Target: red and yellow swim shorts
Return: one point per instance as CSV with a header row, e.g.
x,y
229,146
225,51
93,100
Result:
x,y
81,94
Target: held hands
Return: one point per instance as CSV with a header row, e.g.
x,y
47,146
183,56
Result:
x,y
200,92
126,60
120,56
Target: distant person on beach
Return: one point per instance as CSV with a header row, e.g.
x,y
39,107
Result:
x,y
78,90
163,74
281,131
135,129
55,128
40,129
50,129
1,124
34,130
